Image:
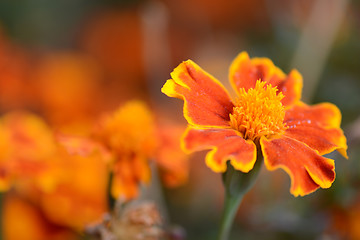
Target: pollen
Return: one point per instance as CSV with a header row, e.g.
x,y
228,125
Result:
x,y
258,112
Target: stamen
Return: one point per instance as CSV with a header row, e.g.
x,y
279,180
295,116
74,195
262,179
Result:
x,y
258,112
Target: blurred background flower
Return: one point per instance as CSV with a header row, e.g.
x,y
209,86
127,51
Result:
x,y
67,63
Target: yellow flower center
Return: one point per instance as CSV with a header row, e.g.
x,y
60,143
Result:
x,y
258,112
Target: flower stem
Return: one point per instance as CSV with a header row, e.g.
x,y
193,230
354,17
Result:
x,y
236,184
230,208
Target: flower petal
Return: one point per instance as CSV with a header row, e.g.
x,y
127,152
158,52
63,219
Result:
x,y
124,183
206,102
326,115
79,195
124,188
171,160
317,126
307,169
244,72
291,87
320,139
33,225
129,172
225,144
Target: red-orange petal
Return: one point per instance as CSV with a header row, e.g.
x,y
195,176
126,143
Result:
x,y
320,139
244,72
326,115
291,87
307,169
225,144
206,101
317,126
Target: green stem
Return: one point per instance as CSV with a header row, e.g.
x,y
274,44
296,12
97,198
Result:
x,y
230,208
236,184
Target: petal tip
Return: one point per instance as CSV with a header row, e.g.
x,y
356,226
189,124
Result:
x,y
184,143
169,89
213,164
247,166
343,152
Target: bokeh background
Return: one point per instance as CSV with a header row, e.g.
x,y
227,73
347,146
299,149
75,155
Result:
x,y
71,60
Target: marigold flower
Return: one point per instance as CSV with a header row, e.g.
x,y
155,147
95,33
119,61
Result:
x,y
129,134
133,137
15,65
23,220
63,78
103,38
27,150
267,114
80,195
65,178
345,220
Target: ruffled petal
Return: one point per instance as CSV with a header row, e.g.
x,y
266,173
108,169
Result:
x,y
320,139
206,102
317,126
326,115
307,169
225,144
244,72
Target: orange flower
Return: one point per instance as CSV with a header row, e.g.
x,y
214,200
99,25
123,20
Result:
x,y
65,78
15,66
103,38
129,134
267,113
28,147
23,220
65,178
132,136
80,195
345,220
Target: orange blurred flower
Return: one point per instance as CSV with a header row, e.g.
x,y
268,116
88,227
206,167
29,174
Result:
x,y
23,220
129,133
345,221
80,195
61,181
133,138
65,78
15,90
267,113
104,38
28,147
231,14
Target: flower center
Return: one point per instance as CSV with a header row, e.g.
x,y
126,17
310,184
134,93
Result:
x,y
258,112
